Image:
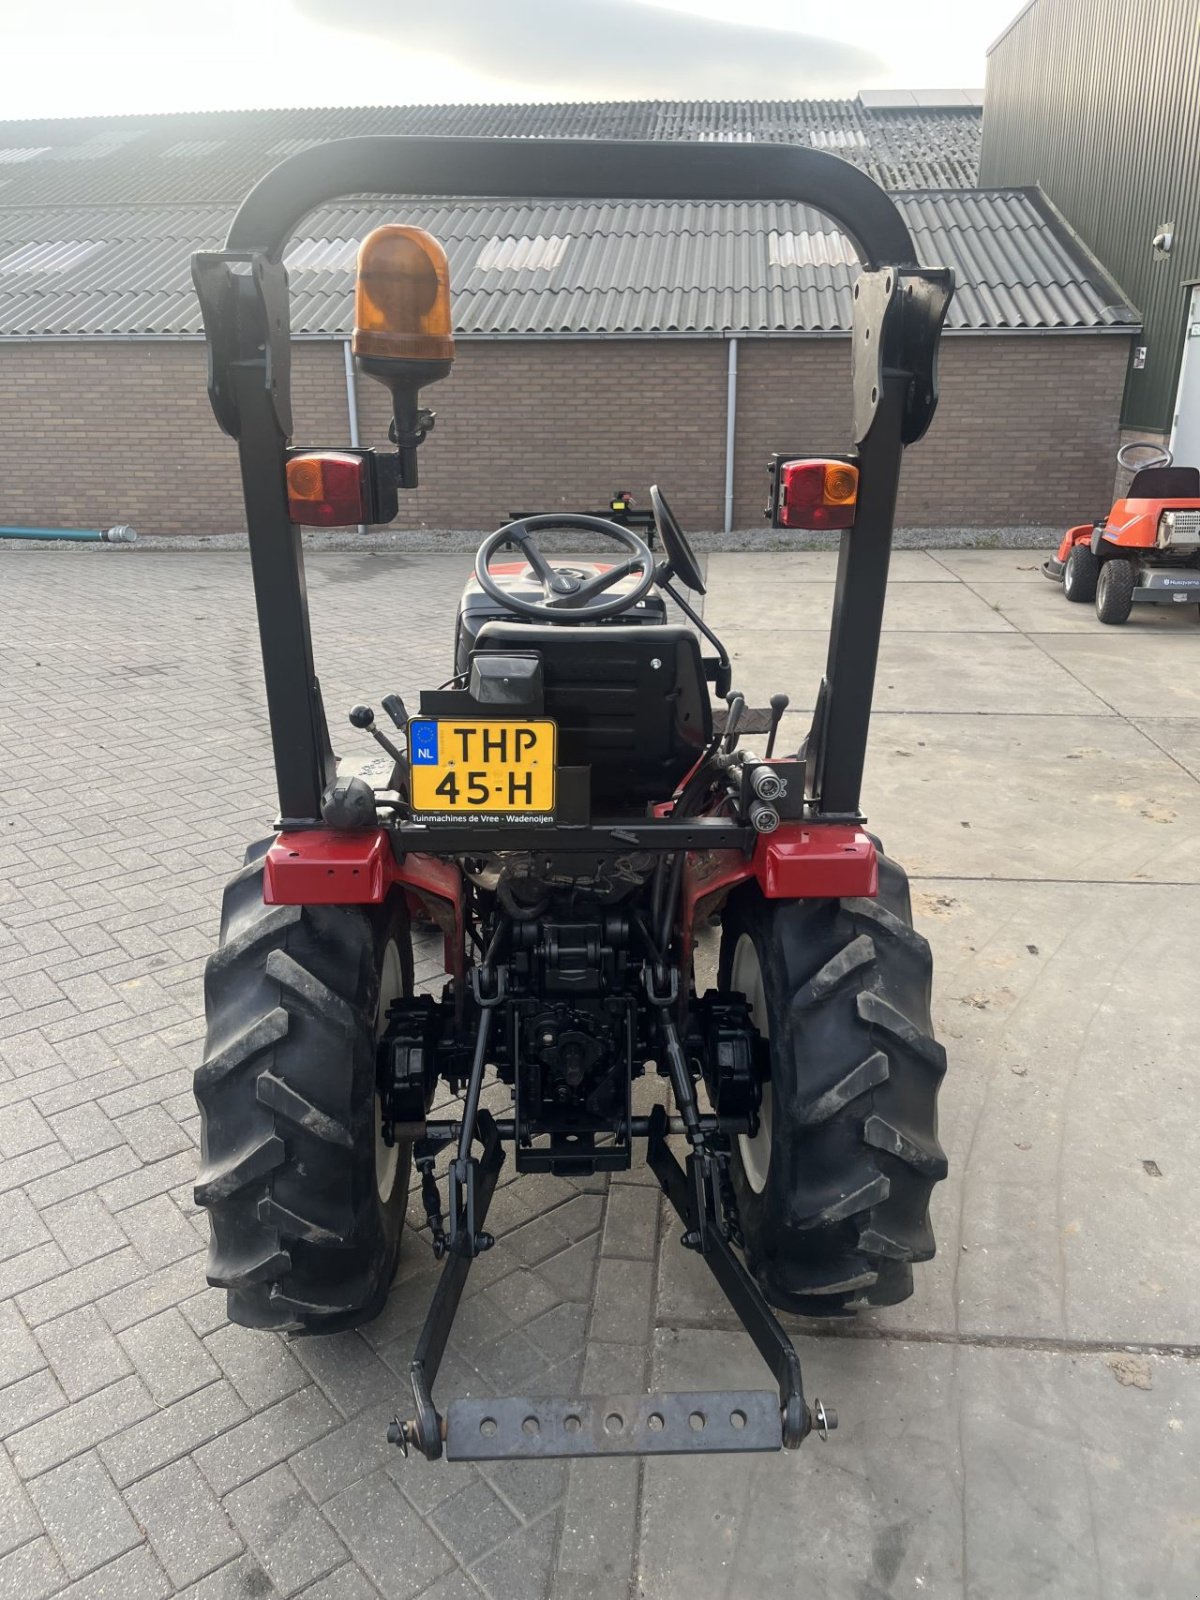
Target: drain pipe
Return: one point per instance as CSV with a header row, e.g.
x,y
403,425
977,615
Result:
x,y
730,430
352,402
121,534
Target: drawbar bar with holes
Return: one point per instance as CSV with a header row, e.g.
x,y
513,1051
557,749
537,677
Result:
x,y
613,1425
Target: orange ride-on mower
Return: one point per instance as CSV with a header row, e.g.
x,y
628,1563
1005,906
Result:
x,y
1145,551
570,809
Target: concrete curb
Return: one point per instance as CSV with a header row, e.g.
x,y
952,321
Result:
x,y
426,541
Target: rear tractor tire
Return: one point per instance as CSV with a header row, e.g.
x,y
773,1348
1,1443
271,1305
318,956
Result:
x,y
833,1190
306,1202
1114,590
1080,574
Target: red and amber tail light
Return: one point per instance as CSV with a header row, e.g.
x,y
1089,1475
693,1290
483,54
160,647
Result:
x,y
817,493
329,489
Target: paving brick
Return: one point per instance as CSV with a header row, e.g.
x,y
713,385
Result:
x,y
144,1094
170,1359
63,1180
561,1331
572,1271
35,1085
388,1539
472,1521
29,1400
268,1438
171,1432
23,1128
141,1183
35,1164
529,1487
348,1372
347,1454
19,1353
158,1231
631,1222
534,1241
85,1131
84,1228
31,1572
624,1298
613,1368
206,1311
21,1227
79,1286
508,1364
348,1583
18,1519
75,1091
523,1564
31,1267
82,1353
243,1579
134,1576
154,1291
70,1432
87,1520
285,1530
152,1133
599,1518
188,1530
522,1295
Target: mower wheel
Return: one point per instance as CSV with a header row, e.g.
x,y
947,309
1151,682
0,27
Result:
x,y
1080,574
833,1191
305,1201
1114,590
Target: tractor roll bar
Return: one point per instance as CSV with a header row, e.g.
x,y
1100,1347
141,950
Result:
x,y
899,308
588,169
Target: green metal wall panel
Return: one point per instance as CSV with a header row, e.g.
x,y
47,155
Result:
x,y
1098,101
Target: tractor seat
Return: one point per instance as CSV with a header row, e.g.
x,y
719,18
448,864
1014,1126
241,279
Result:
x,y
631,702
1165,483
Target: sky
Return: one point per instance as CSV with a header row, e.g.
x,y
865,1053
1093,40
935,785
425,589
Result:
x,y
81,57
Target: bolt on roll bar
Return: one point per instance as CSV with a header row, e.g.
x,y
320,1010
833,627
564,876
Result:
x,y
899,309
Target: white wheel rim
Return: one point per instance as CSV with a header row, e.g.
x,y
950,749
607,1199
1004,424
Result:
x,y
747,978
391,987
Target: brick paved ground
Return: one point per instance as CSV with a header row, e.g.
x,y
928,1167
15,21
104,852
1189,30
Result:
x,y
992,1441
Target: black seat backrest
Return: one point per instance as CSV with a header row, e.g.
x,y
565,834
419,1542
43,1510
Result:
x,y
631,702
1165,483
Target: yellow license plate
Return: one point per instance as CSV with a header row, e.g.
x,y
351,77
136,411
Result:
x,y
482,767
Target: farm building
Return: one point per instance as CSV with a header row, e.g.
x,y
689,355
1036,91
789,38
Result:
x,y
1101,108
600,345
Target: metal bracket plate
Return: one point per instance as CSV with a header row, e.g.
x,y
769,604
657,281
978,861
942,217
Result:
x,y
682,1423
244,305
898,317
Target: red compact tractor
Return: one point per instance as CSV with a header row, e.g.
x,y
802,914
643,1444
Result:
x,y
1145,551
571,802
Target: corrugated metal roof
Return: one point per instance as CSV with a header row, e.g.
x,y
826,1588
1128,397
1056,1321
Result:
x,y
540,268
215,156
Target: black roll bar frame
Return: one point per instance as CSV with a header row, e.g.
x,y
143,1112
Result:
x,y
899,310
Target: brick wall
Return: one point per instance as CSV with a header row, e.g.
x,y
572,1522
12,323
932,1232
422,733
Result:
x,y
559,426
92,434
1026,428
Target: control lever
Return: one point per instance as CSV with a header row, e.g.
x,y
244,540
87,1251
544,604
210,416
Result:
x,y
779,704
398,712
737,706
363,717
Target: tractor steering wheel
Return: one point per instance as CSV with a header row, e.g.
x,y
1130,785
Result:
x,y
569,598
1161,457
